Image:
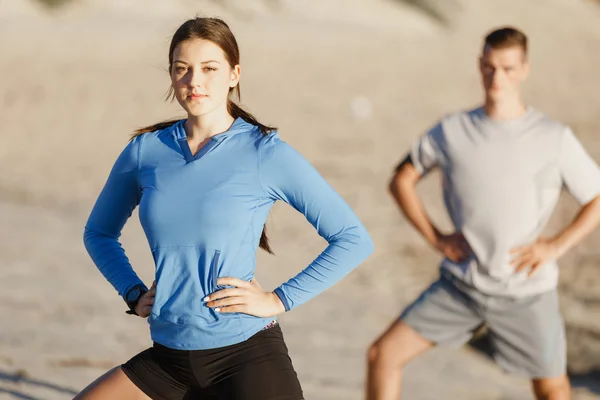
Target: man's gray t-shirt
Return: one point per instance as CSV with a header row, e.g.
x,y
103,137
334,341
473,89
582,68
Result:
x,y
501,181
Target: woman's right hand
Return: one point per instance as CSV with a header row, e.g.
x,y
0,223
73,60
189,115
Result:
x,y
144,306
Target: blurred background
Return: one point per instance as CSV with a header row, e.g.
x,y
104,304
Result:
x,y
350,84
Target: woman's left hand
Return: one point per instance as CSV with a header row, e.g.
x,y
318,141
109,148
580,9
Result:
x,y
244,297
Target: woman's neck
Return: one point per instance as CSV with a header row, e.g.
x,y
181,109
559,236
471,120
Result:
x,y
198,128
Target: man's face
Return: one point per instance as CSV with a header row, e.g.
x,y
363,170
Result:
x,y
502,71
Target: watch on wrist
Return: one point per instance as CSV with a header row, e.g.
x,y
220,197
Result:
x,y
132,297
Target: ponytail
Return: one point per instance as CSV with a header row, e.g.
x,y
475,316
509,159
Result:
x,y
155,127
238,112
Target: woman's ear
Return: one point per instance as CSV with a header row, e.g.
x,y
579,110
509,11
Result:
x,y
235,76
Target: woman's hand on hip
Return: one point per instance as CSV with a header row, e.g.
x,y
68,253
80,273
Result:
x,y
245,297
144,306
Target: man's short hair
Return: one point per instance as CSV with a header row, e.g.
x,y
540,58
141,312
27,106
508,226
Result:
x,y
506,37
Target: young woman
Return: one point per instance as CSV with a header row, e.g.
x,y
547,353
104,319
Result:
x,y
205,186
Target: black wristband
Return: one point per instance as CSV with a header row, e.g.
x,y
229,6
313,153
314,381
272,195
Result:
x,y
133,296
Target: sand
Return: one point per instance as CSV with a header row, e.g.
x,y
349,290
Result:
x,y
350,84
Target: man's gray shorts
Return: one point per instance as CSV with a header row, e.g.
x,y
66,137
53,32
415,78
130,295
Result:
x,y
527,335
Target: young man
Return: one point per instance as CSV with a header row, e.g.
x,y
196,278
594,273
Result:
x,y
503,167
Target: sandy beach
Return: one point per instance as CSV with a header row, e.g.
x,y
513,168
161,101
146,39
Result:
x,y
350,84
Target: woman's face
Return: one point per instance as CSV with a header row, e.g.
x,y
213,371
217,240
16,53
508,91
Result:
x,y
202,77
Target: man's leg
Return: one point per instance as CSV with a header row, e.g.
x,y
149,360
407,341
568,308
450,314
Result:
x,y
441,315
552,388
528,336
388,355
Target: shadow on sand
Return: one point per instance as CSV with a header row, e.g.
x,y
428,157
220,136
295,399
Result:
x,y
21,378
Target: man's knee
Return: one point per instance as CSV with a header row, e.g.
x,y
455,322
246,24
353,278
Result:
x,y
557,388
382,355
396,347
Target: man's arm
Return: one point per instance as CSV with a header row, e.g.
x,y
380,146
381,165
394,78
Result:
x,y
403,188
581,177
582,225
543,250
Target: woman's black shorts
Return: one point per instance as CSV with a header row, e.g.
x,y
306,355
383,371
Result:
x,y
258,368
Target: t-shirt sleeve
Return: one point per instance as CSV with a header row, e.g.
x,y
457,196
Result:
x,y
425,153
580,173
